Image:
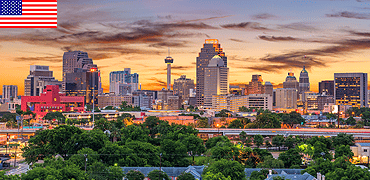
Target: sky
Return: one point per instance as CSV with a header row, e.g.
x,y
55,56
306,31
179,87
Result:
x,y
263,37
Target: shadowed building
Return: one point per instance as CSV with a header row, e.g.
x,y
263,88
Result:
x,y
326,87
216,80
123,82
255,85
304,81
182,86
38,79
9,92
211,47
286,98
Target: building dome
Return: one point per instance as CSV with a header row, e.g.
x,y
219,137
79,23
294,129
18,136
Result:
x,y
304,70
290,77
216,61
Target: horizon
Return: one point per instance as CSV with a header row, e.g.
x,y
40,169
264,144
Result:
x,y
258,37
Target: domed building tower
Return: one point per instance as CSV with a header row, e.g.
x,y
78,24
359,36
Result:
x,y
291,81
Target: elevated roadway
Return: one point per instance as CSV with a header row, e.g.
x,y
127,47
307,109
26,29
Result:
x,y
357,133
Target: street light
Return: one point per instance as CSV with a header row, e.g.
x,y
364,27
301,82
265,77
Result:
x,y
218,129
93,75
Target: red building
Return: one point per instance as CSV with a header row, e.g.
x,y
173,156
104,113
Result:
x,y
52,101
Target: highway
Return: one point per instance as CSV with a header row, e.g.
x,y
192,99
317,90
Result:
x,y
357,133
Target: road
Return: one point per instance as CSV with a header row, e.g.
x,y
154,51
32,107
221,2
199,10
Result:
x,y
22,168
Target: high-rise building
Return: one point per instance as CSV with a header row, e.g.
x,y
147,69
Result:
x,y
72,60
211,47
9,92
350,89
291,81
39,78
118,80
182,87
269,88
304,81
216,80
286,98
168,61
83,83
256,85
326,87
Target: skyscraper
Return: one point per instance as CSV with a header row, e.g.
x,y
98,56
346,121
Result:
x,y
304,81
269,88
211,47
182,86
327,87
216,81
120,79
10,91
83,83
286,98
256,85
291,81
350,89
38,79
72,60
168,61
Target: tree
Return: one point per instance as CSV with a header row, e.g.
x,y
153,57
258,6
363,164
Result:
x,y
351,172
55,116
243,109
185,176
327,141
202,122
320,150
292,118
343,139
134,175
259,175
350,121
212,176
232,169
258,140
268,144
85,155
213,141
173,153
290,142
158,175
267,120
134,133
271,162
366,118
278,141
194,144
262,153
236,124
290,158
102,124
146,153
343,150
224,113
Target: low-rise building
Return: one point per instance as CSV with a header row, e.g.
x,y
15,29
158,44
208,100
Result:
x,y
233,103
361,152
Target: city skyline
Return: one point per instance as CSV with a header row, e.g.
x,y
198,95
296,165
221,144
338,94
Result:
x,y
264,37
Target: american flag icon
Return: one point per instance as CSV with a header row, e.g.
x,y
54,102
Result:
x,y
28,13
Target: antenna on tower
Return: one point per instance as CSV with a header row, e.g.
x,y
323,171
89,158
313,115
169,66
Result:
x,y
168,51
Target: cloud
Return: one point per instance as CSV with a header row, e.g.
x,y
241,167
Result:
x,y
277,38
245,26
364,34
158,82
182,68
263,16
346,14
236,40
315,57
206,19
300,26
51,59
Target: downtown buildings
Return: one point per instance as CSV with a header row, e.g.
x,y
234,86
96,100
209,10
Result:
x,y
9,92
123,82
351,89
38,79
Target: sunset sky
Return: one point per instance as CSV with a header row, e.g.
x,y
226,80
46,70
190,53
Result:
x,y
258,37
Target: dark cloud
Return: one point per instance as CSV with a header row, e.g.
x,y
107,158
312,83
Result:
x,y
353,15
236,40
165,72
263,16
315,57
158,82
245,26
206,19
182,68
51,59
277,38
364,34
298,26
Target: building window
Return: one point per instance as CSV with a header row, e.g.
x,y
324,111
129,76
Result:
x,y
365,150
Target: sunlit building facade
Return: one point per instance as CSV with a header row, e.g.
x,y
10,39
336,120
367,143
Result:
x,y
350,89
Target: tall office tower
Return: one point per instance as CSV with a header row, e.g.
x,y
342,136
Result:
x,y
168,61
304,81
211,47
291,81
120,79
9,92
269,88
326,87
286,98
39,78
216,80
85,83
182,86
350,89
255,85
72,60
